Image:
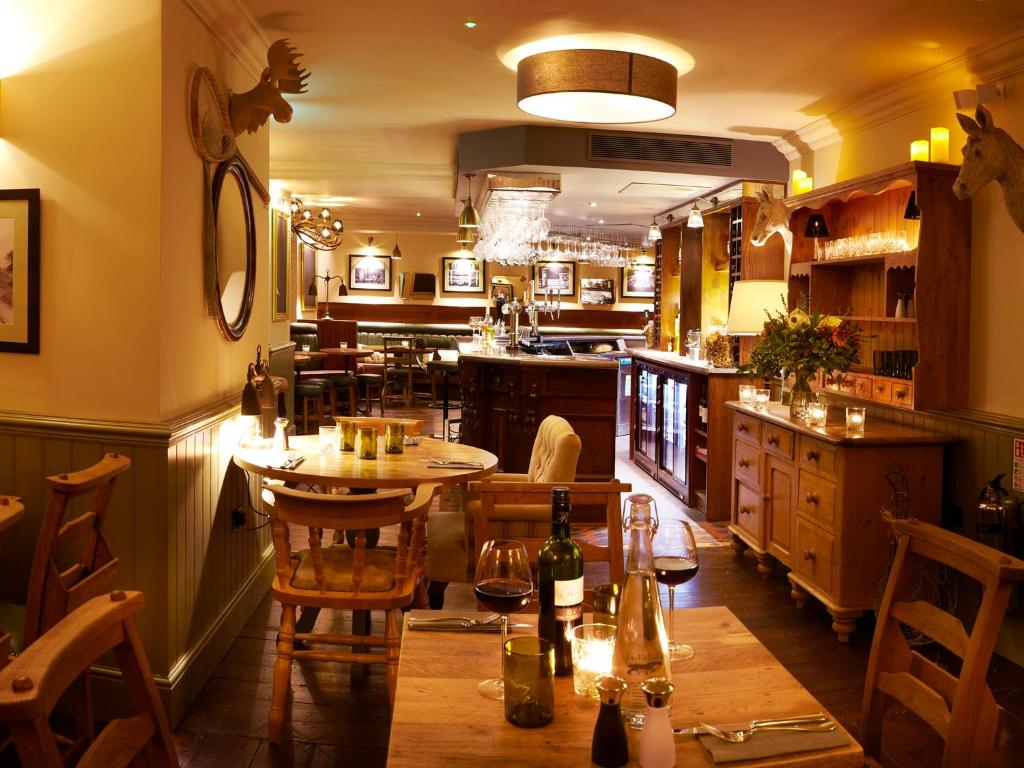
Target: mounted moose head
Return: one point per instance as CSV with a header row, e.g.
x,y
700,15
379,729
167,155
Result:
x,y
250,110
772,217
990,153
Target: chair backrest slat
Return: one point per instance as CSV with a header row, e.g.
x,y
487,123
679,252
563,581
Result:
x,y
934,622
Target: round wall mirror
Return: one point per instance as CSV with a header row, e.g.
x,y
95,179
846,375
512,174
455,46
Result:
x,y
235,248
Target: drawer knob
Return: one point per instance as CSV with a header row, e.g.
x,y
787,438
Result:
x,y
809,554
744,510
811,497
744,462
812,455
900,394
743,427
773,439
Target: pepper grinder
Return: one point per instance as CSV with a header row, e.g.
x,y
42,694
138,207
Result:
x,y
609,748
657,746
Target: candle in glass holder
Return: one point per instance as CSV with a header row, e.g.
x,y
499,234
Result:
x,y
328,439
940,145
855,418
817,414
761,399
747,393
592,649
394,437
366,442
919,150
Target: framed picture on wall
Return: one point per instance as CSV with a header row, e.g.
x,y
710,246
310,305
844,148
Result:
x,y
597,290
638,281
555,277
460,275
369,272
307,276
19,271
281,240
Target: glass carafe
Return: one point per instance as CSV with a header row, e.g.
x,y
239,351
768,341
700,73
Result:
x,y
641,642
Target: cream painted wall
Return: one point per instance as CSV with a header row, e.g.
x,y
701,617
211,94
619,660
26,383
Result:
x,y
80,120
996,366
197,364
423,253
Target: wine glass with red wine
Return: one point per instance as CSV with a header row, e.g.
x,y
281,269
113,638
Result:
x,y
675,562
503,585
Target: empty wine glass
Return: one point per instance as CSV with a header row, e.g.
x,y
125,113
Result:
x,y
675,562
503,585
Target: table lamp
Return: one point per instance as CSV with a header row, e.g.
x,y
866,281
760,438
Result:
x,y
751,299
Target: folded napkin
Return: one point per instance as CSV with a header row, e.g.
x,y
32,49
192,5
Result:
x,y
771,744
435,464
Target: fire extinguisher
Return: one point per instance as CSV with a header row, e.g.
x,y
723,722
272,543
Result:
x,y
998,520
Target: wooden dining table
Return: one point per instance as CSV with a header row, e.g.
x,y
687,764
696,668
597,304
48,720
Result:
x,y
440,719
350,354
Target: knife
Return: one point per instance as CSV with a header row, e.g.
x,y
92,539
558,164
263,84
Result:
x,y
441,627
817,718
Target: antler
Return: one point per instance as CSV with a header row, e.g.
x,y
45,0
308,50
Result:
x,y
285,69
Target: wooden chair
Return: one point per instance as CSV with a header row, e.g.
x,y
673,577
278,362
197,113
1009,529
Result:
x,y
961,710
11,511
500,516
399,365
359,578
32,684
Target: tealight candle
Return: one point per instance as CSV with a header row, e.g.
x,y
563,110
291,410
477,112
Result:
x,y
797,175
747,393
817,414
919,150
940,145
761,398
592,648
805,184
855,418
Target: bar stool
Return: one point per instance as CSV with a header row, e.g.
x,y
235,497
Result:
x,y
373,386
309,395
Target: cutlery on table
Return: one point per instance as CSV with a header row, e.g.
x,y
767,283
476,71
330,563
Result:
x,y
466,621
740,735
454,464
814,720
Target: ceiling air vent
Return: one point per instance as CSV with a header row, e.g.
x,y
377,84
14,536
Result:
x,y
638,147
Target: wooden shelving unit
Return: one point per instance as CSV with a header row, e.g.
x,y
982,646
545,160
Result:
x,y
935,271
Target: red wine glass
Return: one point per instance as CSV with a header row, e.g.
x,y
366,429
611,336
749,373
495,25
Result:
x,y
504,585
675,562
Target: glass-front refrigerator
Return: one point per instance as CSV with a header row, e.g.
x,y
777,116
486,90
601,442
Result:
x,y
646,445
672,464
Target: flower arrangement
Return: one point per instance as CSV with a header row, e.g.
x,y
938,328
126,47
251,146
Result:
x,y
803,344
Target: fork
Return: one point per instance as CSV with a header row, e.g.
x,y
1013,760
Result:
x,y
462,621
740,735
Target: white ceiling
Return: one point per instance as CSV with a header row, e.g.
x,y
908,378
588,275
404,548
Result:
x,y
393,84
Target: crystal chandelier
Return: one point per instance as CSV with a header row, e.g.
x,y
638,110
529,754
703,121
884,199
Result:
x,y
318,232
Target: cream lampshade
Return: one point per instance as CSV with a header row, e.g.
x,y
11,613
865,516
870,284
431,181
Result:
x,y
750,300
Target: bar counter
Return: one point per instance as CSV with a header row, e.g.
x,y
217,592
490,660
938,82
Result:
x,y
506,397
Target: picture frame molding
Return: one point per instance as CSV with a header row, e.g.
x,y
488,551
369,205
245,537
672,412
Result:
x,y
280,267
29,345
623,287
354,258
570,265
481,269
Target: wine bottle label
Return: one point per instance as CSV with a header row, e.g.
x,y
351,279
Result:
x,y
569,592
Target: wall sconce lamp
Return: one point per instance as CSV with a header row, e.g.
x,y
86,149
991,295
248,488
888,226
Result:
x,y
912,211
696,218
817,228
258,395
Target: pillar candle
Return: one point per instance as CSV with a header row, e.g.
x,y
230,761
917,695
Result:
x,y
795,178
802,185
919,150
940,145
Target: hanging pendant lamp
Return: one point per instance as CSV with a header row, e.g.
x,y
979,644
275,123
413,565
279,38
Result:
x,y
469,218
397,252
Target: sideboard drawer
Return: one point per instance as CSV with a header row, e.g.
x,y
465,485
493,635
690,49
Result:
x,y
747,428
882,391
903,394
816,497
778,441
862,386
817,455
747,463
747,514
812,555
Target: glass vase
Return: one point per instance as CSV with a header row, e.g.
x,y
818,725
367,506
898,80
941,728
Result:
x,y
801,396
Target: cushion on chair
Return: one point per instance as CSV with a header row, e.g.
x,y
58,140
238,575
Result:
x,y
12,622
371,377
378,571
309,388
556,450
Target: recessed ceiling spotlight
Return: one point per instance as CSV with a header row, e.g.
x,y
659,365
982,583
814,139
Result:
x,y
469,24
600,221
593,205
419,213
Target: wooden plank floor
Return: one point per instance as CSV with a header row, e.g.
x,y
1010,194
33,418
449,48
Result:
x,y
341,720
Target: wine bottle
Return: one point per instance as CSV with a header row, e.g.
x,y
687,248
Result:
x,y
560,582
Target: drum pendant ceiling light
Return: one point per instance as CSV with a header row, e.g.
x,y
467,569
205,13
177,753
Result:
x,y
597,86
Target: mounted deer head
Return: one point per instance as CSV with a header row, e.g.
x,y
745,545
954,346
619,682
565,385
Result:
x,y
990,153
772,217
250,110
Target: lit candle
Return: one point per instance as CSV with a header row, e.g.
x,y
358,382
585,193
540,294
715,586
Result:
x,y
592,648
817,414
940,145
919,150
747,394
802,185
797,175
855,420
761,398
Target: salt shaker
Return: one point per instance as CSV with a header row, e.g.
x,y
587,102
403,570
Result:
x,y
609,748
281,435
657,746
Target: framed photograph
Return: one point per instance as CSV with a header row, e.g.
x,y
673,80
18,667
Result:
x,y
369,272
597,290
638,281
280,262
19,271
307,276
555,277
461,275
501,291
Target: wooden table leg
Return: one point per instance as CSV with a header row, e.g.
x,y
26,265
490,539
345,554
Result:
x,y
738,545
844,623
765,565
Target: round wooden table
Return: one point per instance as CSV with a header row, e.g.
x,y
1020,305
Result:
x,y
349,353
344,469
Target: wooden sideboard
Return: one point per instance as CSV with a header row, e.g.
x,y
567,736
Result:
x,y
505,398
812,499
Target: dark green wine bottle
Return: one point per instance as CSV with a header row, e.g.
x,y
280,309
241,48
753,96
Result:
x,y
560,582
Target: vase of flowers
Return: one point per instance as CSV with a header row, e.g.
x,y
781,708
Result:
x,y
802,344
